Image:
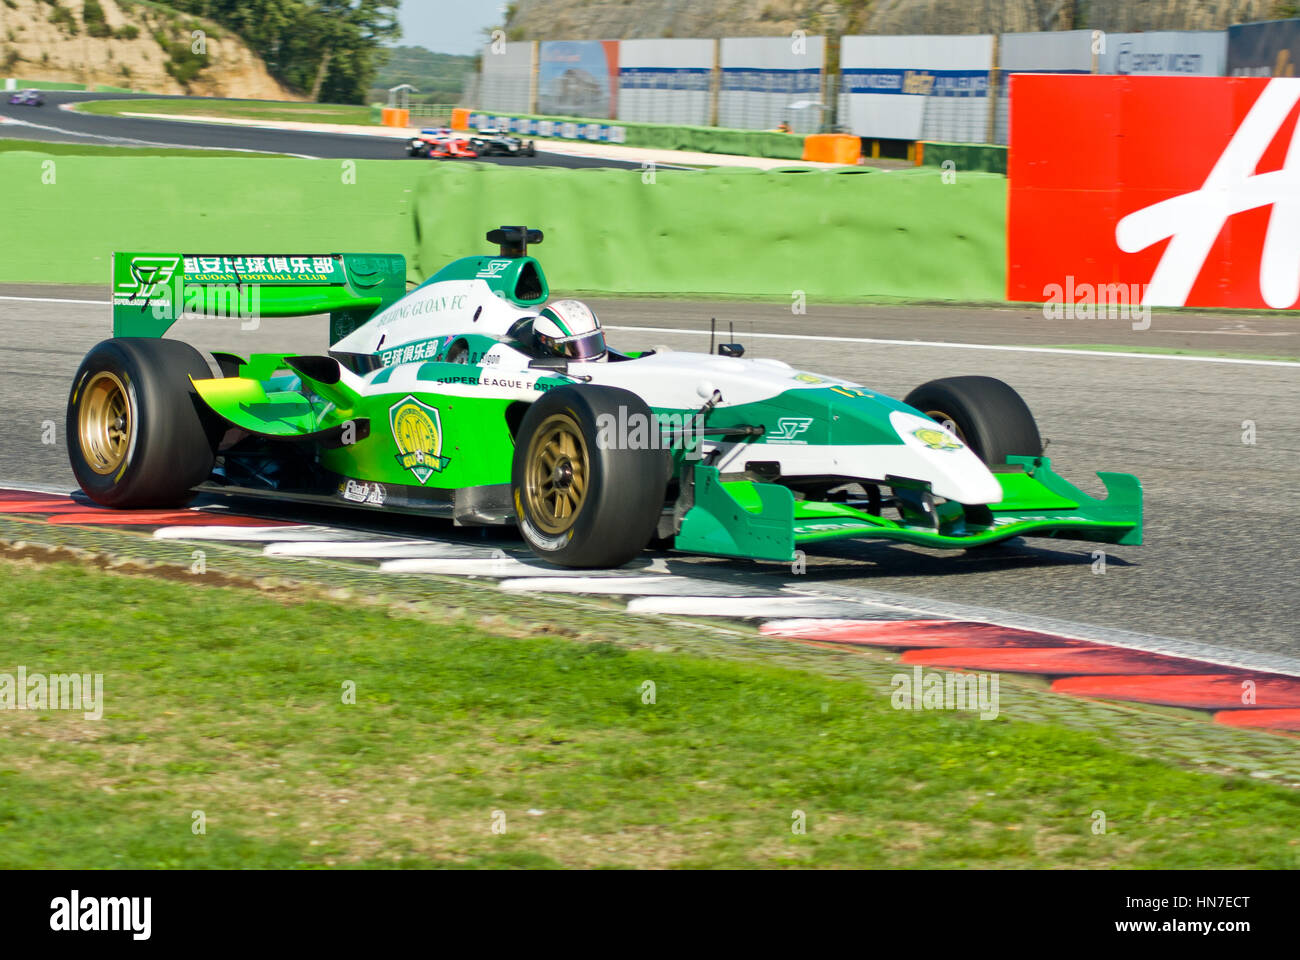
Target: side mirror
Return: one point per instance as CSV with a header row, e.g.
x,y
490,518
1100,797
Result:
x,y
731,349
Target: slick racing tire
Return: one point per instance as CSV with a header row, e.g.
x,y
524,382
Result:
x,y
138,436
583,497
985,413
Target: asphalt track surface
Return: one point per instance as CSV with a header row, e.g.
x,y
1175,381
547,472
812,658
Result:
x,y
1219,568
50,124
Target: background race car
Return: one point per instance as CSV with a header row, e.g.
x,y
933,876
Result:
x,y
492,142
440,143
28,98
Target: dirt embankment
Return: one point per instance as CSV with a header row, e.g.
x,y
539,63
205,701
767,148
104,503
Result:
x,y
126,44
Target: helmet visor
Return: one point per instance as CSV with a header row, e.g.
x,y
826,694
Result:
x,y
581,347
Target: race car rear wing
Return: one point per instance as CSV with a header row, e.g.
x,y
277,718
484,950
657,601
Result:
x,y
151,291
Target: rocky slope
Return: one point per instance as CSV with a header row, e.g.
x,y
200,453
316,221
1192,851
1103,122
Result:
x,y
128,44
621,19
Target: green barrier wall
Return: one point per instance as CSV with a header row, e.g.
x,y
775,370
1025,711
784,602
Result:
x,y
737,232
665,136
982,157
66,231
844,235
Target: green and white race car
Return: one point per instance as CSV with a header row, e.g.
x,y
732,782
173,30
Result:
x,y
449,400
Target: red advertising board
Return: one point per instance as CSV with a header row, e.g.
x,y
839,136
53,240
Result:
x,y
1174,187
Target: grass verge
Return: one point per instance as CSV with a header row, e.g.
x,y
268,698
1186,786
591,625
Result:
x,y
229,701
105,150
236,109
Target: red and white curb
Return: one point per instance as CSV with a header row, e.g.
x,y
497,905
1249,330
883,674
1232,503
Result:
x,y
926,633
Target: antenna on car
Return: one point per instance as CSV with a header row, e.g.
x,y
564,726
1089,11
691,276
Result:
x,y
514,241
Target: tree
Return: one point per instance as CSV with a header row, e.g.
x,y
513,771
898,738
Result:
x,y
329,48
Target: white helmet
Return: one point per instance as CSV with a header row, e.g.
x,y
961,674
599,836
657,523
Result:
x,y
569,329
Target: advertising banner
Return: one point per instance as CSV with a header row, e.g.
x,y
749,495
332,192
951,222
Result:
x,y
1164,53
767,81
506,80
665,81
913,88
578,78
1065,51
1270,49
1165,191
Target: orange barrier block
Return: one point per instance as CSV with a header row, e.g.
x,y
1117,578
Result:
x,y
460,118
394,117
832,148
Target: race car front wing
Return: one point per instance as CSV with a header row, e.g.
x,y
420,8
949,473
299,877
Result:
x,y
764,521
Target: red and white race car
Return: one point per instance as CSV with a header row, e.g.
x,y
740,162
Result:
x,y
440,143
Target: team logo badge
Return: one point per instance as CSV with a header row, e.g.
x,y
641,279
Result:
x,y
936,439
148,276
493,268
787,428
417,433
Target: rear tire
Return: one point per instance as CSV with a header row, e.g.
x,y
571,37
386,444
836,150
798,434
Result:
x,y
580,499
138,435
985,413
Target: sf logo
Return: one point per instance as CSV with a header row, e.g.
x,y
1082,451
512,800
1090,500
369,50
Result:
x,y
787,428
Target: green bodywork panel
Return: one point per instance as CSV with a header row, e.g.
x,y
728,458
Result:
x,y
152,290
738,519
819,415
745,518
460,441
519,280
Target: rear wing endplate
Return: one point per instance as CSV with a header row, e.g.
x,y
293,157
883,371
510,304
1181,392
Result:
x,y
151,291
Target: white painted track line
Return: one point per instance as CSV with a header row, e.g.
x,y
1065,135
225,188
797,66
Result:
x,y
503,567
248,534
945,344
373,549
982,346
662,586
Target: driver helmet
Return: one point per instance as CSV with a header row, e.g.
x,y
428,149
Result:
x,y
569,329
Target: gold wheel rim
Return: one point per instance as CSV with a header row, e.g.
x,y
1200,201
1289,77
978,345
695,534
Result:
x,y
946,419
104,422
556,475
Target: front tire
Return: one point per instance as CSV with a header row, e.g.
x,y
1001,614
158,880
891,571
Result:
x,y
985,413
583,497
137,433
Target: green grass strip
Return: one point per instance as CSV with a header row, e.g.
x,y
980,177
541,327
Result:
x,y
230,702
236,110
104,150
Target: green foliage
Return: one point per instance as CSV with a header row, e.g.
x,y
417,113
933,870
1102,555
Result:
x,y
62,18
438,77
93,16
127,32
337,44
